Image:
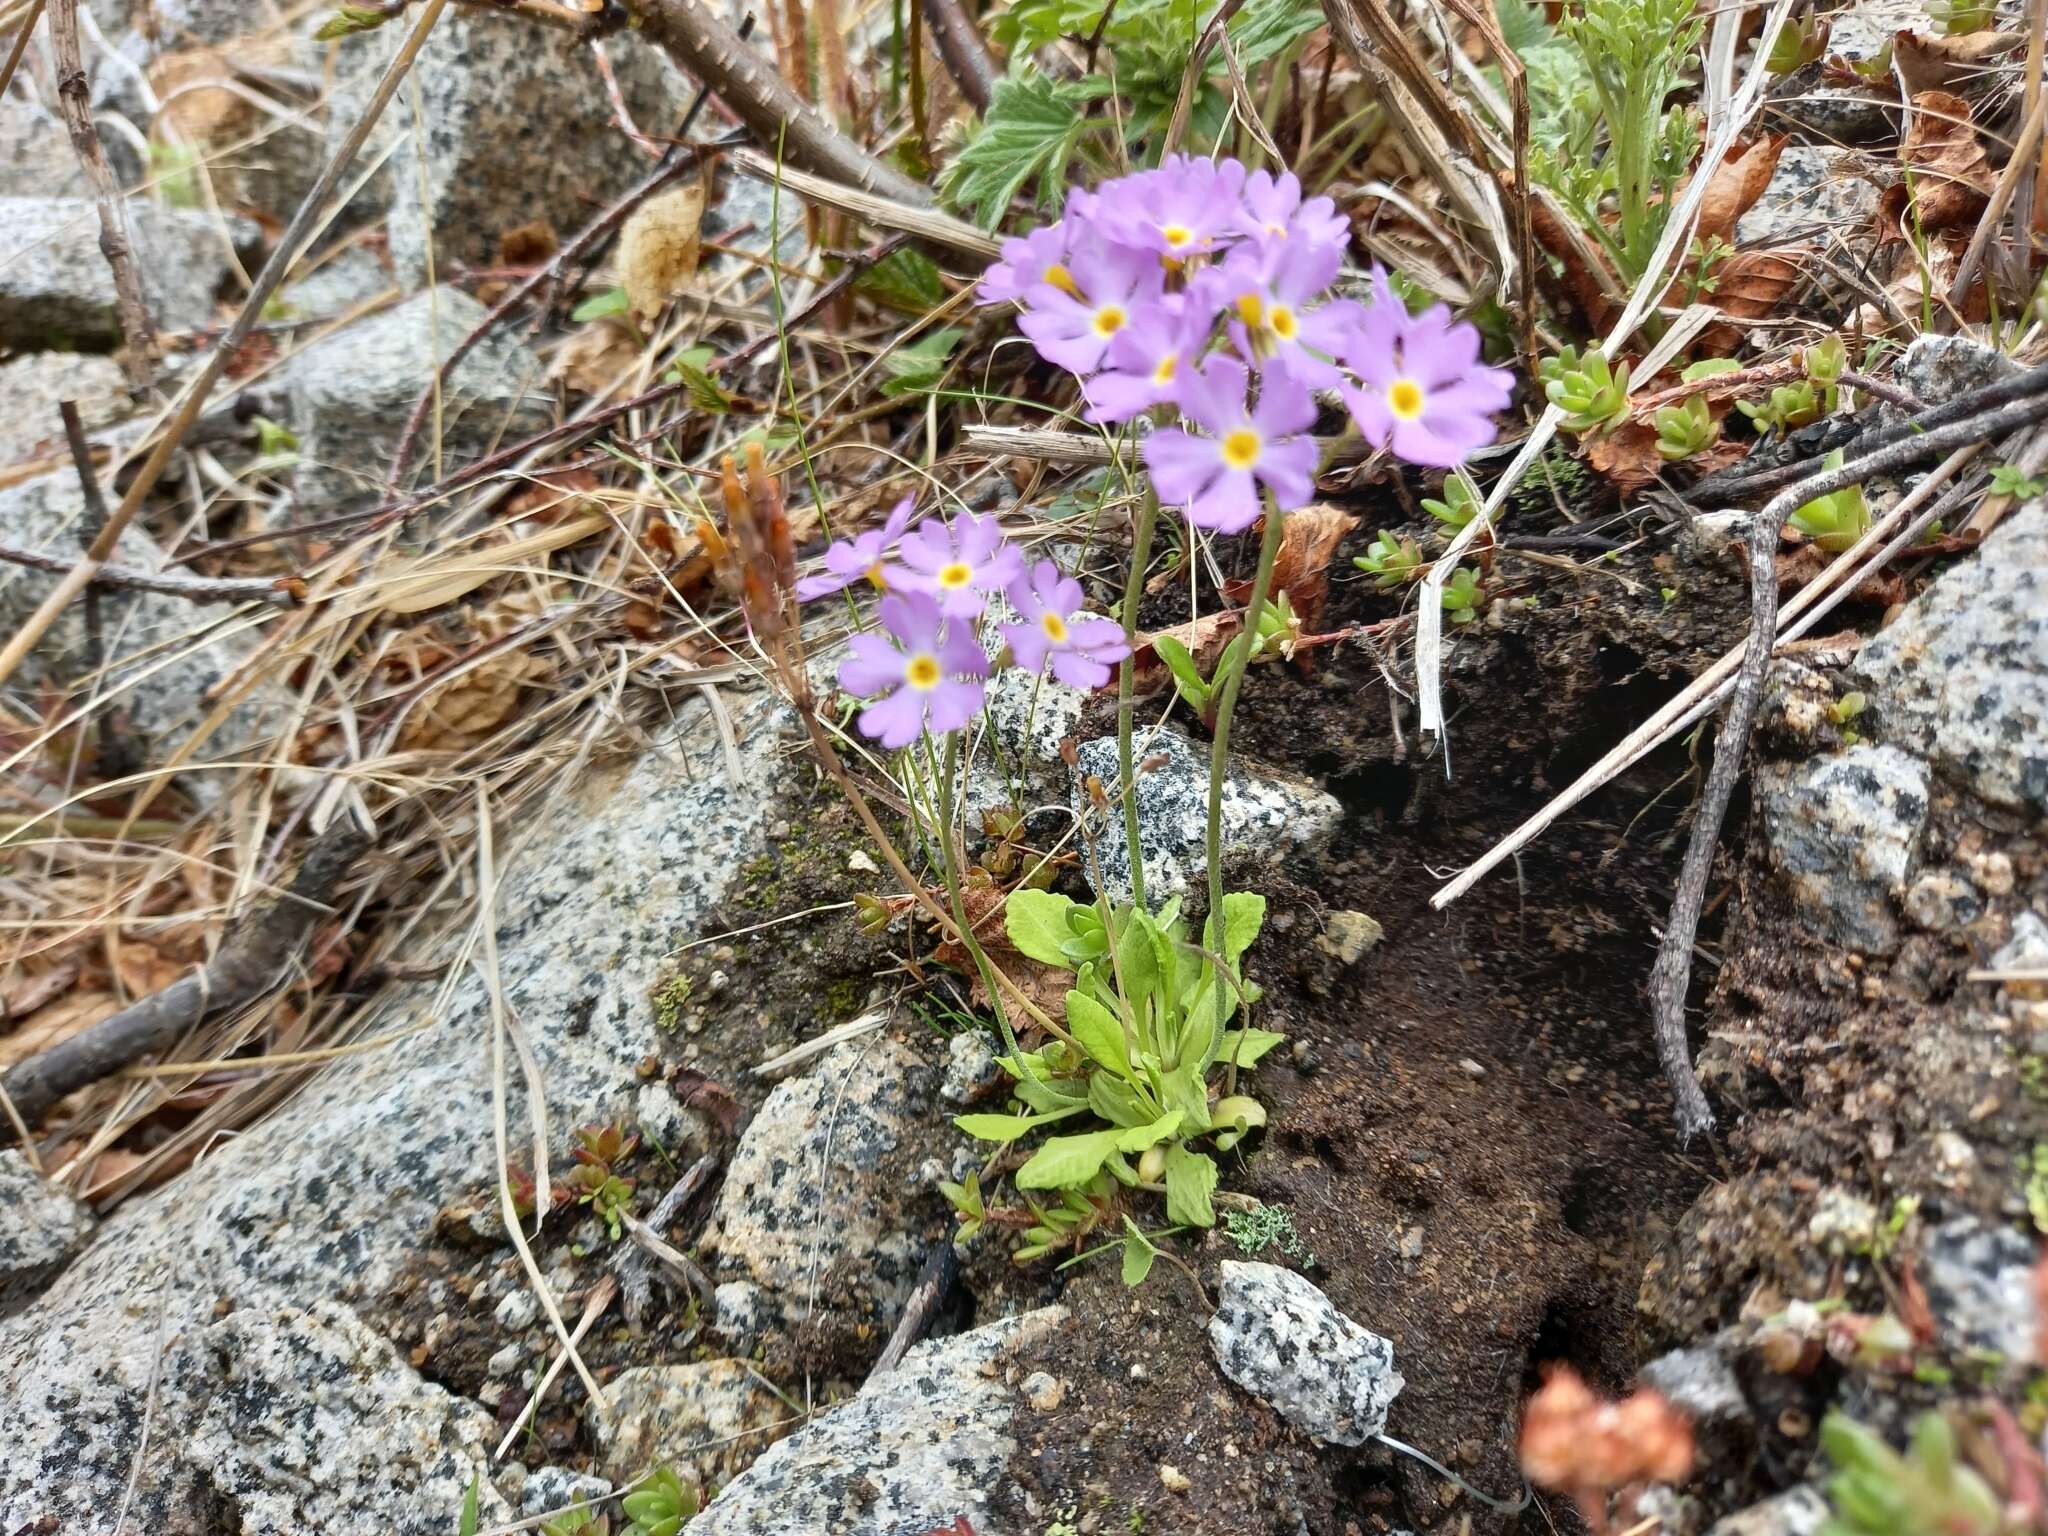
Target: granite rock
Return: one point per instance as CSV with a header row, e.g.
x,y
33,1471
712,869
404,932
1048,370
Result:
x,y
335,1192
1980,1287
548,1490
818,1177
304,1412
708,1419
1281,1339
1844,831
34,384
41,1228
518,128
1814,196
1265,814
1799,1511
55,287
1961,677
348,394
911,1453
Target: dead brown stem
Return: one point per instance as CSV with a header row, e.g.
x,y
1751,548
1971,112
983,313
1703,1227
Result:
x,y
139,354
257,957
718,56
196,589
20,45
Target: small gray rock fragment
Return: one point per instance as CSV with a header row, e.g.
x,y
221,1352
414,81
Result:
x,y
1280,1338
1938,369
34,384
1346,936
970,1067
348,396
41,1227
1797,1511
56,289
1814,195
1961,677
741,1312
709,1419
518,1311
1980,1285
1698,1380
915,1450
1844,830
1266,814
548,1490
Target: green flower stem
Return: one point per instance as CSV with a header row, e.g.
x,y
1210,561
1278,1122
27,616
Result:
x,y
1219,752
1134,591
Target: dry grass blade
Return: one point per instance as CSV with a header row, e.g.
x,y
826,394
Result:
x,y
903,215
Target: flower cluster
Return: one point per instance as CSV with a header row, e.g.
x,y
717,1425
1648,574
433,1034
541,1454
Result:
x,y
1204,290
925,669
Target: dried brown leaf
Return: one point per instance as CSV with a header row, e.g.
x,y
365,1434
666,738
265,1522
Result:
x,y
1948,180
1963,66
56,1022
595,356
1735,185
659,247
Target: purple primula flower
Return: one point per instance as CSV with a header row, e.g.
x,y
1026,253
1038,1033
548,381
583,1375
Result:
x,y
1182,209
955,564
1424,391
1273,211
1039,257
928,668
849,560
1080,646
1271,295
1112,284
1218,477
1144,362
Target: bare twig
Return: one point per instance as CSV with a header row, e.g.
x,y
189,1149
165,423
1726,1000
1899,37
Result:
x,y
634,1264
257,957
926,1297
1672,974
89,528
139,355
197,589
296,234
965,54
20,46
747,83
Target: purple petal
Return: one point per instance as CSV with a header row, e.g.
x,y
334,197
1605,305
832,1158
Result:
x,y
872,665
952,704
1286,404
960,652
1369,409
821,586
1077,670
896,720
1182,466
1028,645
1289,470
1230,505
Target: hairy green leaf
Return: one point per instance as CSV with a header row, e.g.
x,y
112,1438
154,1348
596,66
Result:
x,y
1098,1030
1247,1046
1067,1161
1031,129
1190,1181
1036,922
1006,1128
1138,1138
905,279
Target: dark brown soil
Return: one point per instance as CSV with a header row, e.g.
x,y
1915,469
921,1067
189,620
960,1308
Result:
x,y
1473,1138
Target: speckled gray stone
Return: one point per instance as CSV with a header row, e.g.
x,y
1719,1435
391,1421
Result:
x,y
41,1227
1814,196
347,396
1938,369
519,127
971,1067
708,1419
1799,1511
815,1179
164,654
57,291
549,1490
36,157
1265,813
1844,830
1980,1286
1961,677
333,1193
34,384
915,1450
1281,1339
305,1412
1700,1381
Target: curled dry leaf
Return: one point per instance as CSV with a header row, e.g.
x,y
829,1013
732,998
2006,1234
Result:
x,y
1966,66
1735,185
1301,568
56,1022
1947,180
448,577
467,709
1750,285
659,246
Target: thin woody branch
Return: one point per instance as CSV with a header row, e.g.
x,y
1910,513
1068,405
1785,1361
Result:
x,y
197,589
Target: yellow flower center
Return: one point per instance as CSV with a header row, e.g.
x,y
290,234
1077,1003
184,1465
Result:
x,y
1404,399
1241,448
1169,365
1280,321
875,578
956,575
1177,235
1054,626
923,672
1062,279
1279,231
1109,320
1251,309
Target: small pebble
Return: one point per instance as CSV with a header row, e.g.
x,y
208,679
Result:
x,y
1044,1391
861,864
518,1311
1470,1067
1172,1479
505,1361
